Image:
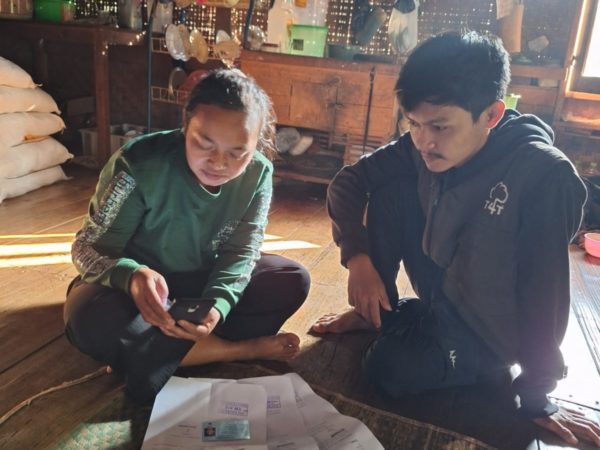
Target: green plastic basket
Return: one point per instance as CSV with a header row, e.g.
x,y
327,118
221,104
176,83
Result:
x,y
308,40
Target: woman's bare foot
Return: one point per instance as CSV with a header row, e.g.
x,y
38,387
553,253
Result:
x,y
281,347
341,323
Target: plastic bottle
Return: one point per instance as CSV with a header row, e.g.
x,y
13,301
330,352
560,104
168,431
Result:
x,y
281,16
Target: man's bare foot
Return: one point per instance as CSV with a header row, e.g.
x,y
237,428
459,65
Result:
x,y
281,347
341,323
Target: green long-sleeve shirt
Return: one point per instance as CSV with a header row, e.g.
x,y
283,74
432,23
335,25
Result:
x,y
149,211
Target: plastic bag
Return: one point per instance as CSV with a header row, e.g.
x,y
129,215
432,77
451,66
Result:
x,y
403,29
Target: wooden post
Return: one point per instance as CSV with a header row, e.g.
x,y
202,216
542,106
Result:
x,y
101,83
510,29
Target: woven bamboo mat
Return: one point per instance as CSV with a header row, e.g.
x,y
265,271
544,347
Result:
x,y
121,425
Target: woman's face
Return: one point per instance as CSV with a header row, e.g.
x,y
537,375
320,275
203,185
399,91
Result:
x,y
219,144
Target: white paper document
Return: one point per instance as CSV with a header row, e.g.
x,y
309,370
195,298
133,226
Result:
x,y
283,413
331,430
285,424
185,404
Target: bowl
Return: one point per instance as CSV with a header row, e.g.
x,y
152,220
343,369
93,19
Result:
x,y
340,51
591,243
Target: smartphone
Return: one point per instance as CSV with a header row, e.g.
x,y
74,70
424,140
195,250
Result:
x,y
193,310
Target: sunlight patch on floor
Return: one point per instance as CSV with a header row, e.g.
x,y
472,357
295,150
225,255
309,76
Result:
x,y
10,251
27,255
24,255
271,237
38,236
29,261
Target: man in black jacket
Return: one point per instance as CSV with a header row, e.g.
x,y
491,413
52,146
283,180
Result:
x,y
480,208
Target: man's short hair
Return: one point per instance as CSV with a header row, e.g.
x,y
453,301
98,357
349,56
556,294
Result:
x,y
470,71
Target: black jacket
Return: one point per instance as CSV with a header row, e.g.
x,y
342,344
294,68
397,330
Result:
x,y
499,226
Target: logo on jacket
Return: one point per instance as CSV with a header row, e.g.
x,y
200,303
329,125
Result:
x,y
498,197
452,358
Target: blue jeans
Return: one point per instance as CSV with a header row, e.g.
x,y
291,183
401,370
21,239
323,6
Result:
x,y
423,343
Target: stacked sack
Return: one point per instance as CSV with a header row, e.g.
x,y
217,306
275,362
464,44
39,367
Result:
x,y
29,157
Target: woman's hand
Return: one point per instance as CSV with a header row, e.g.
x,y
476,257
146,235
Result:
x,y
149,291
193,332
366,291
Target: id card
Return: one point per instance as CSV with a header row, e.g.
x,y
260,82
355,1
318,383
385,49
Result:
x,y
225,430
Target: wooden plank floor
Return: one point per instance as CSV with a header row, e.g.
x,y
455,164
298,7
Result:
x,y
35,235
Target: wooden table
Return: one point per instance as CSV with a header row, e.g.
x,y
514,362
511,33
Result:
x,y
100,38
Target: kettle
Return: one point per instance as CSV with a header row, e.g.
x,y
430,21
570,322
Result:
x,y
129,14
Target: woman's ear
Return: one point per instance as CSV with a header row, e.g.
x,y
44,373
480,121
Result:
x,y
493,113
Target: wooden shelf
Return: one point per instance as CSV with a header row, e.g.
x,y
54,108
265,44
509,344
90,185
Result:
x,y
579,129
173,96
72,32
544,72
99,38
294,175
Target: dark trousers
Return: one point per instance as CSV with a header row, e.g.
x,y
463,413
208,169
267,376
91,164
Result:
x,y
105,323
423,343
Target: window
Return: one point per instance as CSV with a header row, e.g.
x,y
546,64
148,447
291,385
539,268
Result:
x,y
591,66
584,79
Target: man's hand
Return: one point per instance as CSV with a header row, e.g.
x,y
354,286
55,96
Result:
x,y
570,424
192,332
149,291
366,291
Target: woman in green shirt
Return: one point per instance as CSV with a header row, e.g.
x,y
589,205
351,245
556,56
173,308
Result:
x,y
181,215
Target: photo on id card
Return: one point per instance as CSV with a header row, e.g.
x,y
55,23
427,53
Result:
x,y
225,430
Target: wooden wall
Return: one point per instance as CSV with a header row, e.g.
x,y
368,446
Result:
x,y
68,72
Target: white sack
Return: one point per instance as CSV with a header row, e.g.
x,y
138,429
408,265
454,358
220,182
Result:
x,y
13,99
13,75
32,157
17,128
18,186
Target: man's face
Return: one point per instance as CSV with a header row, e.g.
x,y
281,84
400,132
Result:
x,y
446,136
219,144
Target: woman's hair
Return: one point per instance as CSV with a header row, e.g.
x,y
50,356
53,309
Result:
x,y
470,71
232,89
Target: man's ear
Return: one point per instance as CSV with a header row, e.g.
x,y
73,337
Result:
x,y
493,113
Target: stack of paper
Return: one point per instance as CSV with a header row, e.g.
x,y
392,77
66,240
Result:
x,y
266,413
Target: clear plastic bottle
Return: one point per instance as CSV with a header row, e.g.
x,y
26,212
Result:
x,y
281,17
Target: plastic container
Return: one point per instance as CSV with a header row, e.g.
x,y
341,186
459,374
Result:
x,y
591,242
311,12
54,10
119,135
308,40
511,100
